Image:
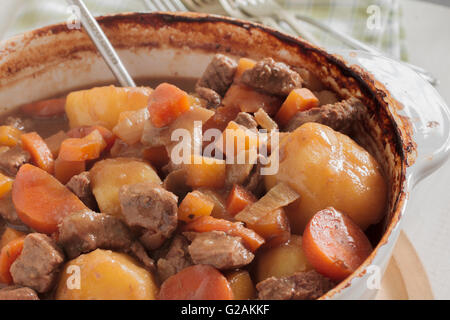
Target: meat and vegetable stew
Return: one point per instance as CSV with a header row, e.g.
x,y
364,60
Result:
x,y
250,186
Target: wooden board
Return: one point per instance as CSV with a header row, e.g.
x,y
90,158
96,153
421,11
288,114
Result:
x,y
405,277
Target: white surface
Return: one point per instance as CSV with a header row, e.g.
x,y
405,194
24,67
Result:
x,y
428,222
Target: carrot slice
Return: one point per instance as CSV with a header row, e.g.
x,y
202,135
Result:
x,y
238,199
9,235
46,108
207,223
194,205
199,282
334,244
41,201
166,103
9,136
298,100
80,149
5,184
40,153
8,255
83,131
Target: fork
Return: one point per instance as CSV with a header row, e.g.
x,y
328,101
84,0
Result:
x,y
257,8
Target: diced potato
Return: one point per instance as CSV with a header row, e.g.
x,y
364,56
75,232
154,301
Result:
x,y
236,138
9,235
194,205
107,176
105,275
205,172
131,125
244,64
9,136
103,105
282,261
5,184
329,169
242,285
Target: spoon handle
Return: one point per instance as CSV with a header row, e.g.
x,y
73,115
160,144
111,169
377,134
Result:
x,y
103,45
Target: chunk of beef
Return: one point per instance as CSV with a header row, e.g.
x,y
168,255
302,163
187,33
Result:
x,y
86,231
339,116
219,74
212,98
272,77
121,149
307,285
155,137
218,249
245,119
326,97
18,293
8,211
150,210
39,263
80,185
11,160
176,259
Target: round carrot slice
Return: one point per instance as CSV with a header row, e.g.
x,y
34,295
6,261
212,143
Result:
x,y
199,282
41,201
8,254
335,245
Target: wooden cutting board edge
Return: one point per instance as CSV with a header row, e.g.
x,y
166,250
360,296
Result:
x,y
405,277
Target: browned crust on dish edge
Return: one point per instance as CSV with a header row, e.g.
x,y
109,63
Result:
x,y
227,35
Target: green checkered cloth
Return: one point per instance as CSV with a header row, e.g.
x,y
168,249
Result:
x,y
376,22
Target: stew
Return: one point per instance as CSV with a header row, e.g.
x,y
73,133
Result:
x,y
243,184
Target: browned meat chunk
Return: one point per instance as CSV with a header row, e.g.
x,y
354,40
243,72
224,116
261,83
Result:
x,y
39,263
272,77
18,293
80,185
300,286
7,210
86,231
176,259
219,249
326,97
255,182
245,119
151,211
339,116
219,74
211,97
11,160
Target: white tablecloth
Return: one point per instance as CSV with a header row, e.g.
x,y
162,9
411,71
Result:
x,y
427,28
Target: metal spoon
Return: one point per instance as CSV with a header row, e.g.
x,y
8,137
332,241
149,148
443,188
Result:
x,y
103,45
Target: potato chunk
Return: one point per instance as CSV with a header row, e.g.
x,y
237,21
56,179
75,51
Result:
x,y
282,261
103,105
110,174
105,275
328,169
